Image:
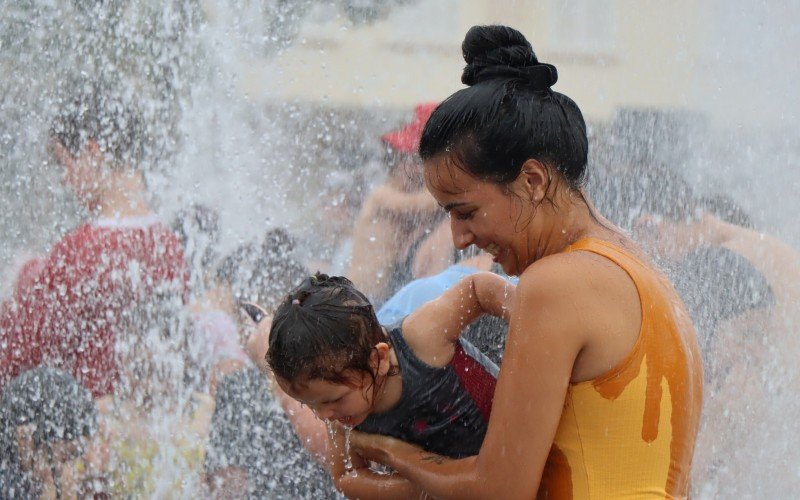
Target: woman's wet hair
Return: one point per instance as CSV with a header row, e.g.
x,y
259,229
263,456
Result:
x,y
323,329
508,114
95,110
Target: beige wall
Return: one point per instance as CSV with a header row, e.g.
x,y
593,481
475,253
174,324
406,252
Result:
x,y
610,53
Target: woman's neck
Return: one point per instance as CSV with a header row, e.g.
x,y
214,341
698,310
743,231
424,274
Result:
x,y
571,219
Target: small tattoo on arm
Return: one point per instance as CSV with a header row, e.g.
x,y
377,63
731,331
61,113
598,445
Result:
x,y
437,459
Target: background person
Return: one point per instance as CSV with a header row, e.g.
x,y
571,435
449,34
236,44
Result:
x,y
746,298
254,450
122,263
395,218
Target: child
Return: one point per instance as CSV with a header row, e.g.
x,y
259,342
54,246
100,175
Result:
x,y
417,380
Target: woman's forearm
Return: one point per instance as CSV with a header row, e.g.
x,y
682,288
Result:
x,y
438,476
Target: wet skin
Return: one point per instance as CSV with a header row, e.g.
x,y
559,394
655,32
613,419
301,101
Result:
x,y
347,404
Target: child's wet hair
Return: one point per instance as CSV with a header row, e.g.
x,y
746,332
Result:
x,y
323,329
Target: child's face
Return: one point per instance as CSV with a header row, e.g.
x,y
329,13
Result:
x,y
349,404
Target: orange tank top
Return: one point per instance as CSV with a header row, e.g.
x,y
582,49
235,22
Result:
x,y
630,432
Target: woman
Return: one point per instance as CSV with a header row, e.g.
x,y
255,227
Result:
x,y
600,390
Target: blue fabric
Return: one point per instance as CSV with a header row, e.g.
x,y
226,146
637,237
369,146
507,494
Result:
x,y
417,292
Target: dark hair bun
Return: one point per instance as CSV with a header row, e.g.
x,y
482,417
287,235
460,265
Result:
x,y
502,52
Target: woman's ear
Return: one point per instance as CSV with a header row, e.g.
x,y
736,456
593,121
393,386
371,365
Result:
x,y
535,178
379,359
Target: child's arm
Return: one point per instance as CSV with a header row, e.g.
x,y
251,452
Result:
x,y
362,483
433,330
311,430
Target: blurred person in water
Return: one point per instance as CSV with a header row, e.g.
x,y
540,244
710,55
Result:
x,y
220,331
737,284
253,449
46,417
396,217
80,305
746,297
662,211
214,343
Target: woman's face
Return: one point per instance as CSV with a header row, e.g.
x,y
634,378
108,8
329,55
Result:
x,y
498,219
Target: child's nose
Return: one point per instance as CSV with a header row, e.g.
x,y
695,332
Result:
x,y
325,413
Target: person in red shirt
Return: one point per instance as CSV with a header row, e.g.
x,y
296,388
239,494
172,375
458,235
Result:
x,y
80,307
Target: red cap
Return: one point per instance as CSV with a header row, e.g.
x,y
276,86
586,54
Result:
x,y
406,139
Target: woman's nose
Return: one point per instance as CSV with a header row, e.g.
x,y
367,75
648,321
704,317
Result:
x,y
462,236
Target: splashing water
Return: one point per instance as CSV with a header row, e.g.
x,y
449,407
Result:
x,y
348,461
217,135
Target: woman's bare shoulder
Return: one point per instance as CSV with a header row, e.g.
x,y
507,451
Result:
x,y
567,272
581,286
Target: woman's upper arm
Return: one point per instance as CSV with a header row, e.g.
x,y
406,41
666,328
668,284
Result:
x,y
545,337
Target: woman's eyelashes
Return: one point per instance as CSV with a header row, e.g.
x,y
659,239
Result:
x,y
459,215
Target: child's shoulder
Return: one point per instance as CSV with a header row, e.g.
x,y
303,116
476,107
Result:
x,y
421,334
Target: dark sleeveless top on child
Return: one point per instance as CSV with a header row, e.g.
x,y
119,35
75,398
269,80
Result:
x,y
443,410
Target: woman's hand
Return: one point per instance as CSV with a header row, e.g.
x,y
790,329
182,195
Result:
x,y
373,447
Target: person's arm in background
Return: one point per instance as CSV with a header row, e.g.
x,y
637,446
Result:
x,y
435,254
396,202
375,249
